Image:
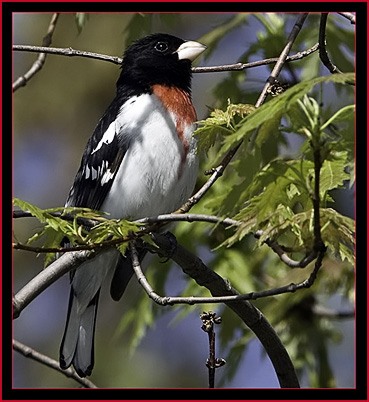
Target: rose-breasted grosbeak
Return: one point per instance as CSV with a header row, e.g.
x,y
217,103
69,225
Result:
x,y
140,161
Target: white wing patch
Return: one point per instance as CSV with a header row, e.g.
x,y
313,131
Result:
x,y
108,175
124,116
87,171
107,138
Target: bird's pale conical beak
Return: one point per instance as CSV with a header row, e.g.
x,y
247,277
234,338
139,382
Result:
x,y
190,50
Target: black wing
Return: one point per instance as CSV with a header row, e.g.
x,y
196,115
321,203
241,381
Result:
x,y
100,162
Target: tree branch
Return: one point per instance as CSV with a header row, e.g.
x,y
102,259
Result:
x,y
19,213
70,52
166,248
216,173
209,319
157,222
49,362
45,278
38,64
251,316
282,58
323,54
244,66
350,17
278,249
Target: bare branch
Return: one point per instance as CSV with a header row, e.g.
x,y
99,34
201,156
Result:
x,y
49,362
45,278
188,218
198,267
208,319
323,54
278,249
251,316
38,64
70,52
160,220
141,278
244,66
282,58
71,261
164,218
19,213
350,17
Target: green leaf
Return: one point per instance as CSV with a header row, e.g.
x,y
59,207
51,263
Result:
x,y
338,233
81,20
56,228
220,123
25,206
280,104
332,173
343,114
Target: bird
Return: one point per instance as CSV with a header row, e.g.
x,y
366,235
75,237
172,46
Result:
x,y
140,161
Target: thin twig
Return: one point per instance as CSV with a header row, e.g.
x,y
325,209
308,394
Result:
x,y
216,173
86,247
167,247
156,222
323,54
282,58
141,278
49,362
38,64
208,320
311,279
351,17
19,213
244,66
278,249
70,52
165,218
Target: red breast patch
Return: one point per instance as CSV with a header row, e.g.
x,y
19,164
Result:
x,y
178,102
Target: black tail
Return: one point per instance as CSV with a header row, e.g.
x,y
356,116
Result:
x,y
77,346
123,273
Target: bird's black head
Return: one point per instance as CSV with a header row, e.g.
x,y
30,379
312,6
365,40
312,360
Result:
x,y
159,59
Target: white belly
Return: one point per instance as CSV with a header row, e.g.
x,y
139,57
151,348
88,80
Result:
x,y
156,175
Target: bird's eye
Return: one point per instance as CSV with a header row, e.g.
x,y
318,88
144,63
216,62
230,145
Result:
x,y
161,46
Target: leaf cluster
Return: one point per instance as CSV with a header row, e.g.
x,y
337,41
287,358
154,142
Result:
x,y
57,230
274,192
277,197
